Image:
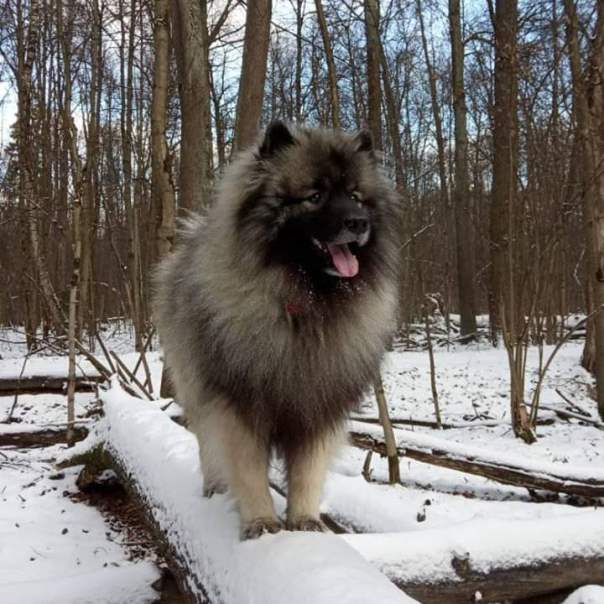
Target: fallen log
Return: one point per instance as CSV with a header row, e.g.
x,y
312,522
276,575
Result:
x,y
15,435
520,472
45,384
157,461
425,423
495,560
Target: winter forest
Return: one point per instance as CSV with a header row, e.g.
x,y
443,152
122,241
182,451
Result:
x,y
474,467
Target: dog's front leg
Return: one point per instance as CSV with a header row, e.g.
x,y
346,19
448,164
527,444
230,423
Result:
x,y
247,466
306,470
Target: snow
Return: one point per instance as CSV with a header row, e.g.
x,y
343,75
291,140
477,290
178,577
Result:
x,y
53,549
428,443
380,508
486,544
127,583
413,530
302,568
588,594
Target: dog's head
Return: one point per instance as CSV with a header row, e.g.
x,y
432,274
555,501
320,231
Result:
x,y
321,204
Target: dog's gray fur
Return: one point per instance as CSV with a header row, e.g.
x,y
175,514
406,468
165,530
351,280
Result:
x,y
252,375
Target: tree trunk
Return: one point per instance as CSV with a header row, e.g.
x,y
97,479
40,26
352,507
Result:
x,y
190,39
331,66
588,106
504,161
375,127
163,192
461,192
393,115
253,73
87,196
374,91
27,162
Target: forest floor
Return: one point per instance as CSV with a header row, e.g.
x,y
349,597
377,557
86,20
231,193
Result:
x,y
57,545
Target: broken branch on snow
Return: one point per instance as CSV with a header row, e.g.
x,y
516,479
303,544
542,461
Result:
x,y
16,435
45,384
530,474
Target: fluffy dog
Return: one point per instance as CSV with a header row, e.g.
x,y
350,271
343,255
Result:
x,y
274,312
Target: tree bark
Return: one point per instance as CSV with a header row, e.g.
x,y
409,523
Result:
x,y
27,163
504,163
461,192
331,66
163,191
588,106
374,91
44,384
190,39
372,24
253,73
88,190
43,437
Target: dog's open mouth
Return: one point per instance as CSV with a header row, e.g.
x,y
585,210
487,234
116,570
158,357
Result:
x,y
344,262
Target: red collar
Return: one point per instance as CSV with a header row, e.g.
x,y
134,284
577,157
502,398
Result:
x,y
293,308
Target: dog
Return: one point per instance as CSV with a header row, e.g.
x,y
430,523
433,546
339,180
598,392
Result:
x,y
274,312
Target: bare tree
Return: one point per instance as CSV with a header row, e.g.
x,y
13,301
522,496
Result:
x,y
505,141
27,58
372,23
461,193
374,90
190,39
331,66
505,284
588,106
253,72
163,191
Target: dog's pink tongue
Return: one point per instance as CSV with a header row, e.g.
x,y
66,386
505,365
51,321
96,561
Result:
x,y
344,260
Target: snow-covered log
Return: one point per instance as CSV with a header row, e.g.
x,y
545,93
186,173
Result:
x,y
24,436
506,469
492,559
158,461
44,384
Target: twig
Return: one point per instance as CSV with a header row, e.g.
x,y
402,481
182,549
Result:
x,y
105,352
106,373
144,348
394,473
542,372
131,376
564,413
12,409
415,236
574,406
427,314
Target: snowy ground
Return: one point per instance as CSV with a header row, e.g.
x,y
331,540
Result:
x,y
40,561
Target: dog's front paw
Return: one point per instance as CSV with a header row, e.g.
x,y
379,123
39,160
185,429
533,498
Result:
x,y
260,526
306,523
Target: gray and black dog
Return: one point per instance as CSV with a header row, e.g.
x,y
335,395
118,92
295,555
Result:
x,y
274,312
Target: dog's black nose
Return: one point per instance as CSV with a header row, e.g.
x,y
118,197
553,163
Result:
x,y
358,226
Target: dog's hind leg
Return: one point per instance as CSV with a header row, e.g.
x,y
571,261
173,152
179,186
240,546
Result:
x,y
306,470
247,456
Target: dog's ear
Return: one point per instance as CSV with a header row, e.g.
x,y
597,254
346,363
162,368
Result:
x,y
276,137
364,141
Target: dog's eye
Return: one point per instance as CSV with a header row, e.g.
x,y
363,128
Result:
x,y
356,196
314,198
